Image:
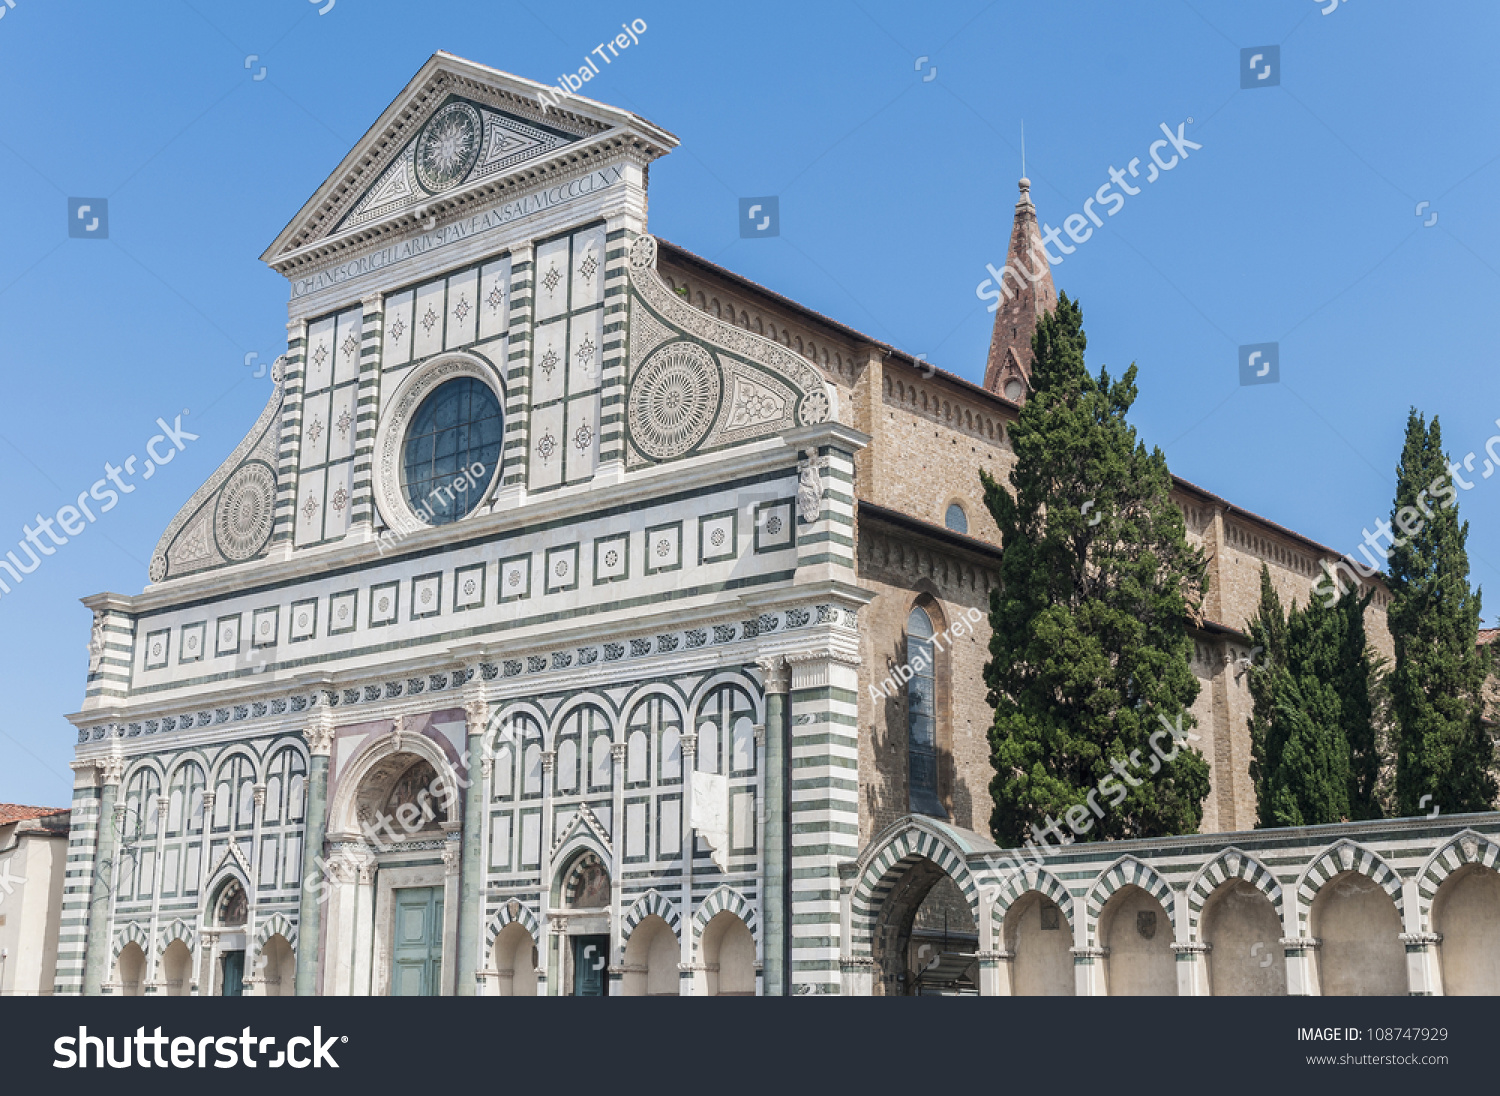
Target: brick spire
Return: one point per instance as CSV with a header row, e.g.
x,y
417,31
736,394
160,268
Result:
x,y
1026,290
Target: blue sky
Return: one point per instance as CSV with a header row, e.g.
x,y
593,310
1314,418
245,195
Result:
x,y
1295,223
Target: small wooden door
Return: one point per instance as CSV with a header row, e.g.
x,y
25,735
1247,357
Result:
x,y
417,959
590,960
234,974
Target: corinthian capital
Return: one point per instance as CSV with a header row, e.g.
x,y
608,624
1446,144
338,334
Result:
x,y
319,735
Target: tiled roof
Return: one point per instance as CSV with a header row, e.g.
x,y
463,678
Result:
x,y
1487,635
14,812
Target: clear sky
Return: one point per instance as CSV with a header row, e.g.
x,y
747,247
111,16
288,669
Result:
x,y
1296,222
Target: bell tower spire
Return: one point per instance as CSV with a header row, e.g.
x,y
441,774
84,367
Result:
x,y
1026,292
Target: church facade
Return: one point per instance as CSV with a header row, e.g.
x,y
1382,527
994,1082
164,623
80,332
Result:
x,y
579,618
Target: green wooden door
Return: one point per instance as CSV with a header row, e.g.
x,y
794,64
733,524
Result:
x,y
234,974
418,953
590,958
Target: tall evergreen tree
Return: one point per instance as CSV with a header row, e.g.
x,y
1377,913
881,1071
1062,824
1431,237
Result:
x,y
1442,748
1313,743
1089,650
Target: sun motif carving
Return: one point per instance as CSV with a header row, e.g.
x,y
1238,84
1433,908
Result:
x,y
583,438
611,559
673,400
663,547
561,568
588,267
448,147
429,321
717,538
469,588
773,525
546,445
514,579
427,595
551,278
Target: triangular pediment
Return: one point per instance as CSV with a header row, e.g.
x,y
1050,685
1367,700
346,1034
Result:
x,y
458,137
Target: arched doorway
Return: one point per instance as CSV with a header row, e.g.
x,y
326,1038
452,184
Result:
x,y
1137,932
1040,940
925,941
130,970
1361,954
389,915
231,909
516,961
177,969
1466,912
728,953
277,968
587,893
651,957
1244,933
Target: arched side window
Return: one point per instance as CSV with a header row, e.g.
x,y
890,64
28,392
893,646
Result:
x,y
921,717
956,519
578,750
659,721
285,787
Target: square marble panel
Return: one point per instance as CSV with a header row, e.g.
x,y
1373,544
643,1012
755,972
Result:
x,y
562,568
343,612
663,548
158,647
718,537
468,587
515,578
304,620
265,626
191,644
426,596
774,526
385,603
227,636
612,559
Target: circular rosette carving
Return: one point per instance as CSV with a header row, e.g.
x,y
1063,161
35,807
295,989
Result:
x,y
814,408
242,519
158,568
673,400
448,147
643,253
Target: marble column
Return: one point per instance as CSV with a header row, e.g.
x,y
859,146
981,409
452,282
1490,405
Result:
x,y
319,735
777,852
470,895
96,953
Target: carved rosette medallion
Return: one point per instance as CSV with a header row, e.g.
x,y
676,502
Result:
x,y
673,400
242,518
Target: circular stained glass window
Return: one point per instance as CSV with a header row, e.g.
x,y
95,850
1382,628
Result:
x,y
452,450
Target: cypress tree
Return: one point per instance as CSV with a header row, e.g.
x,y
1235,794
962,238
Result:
x,y
1313,746
1442,748
1089,652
